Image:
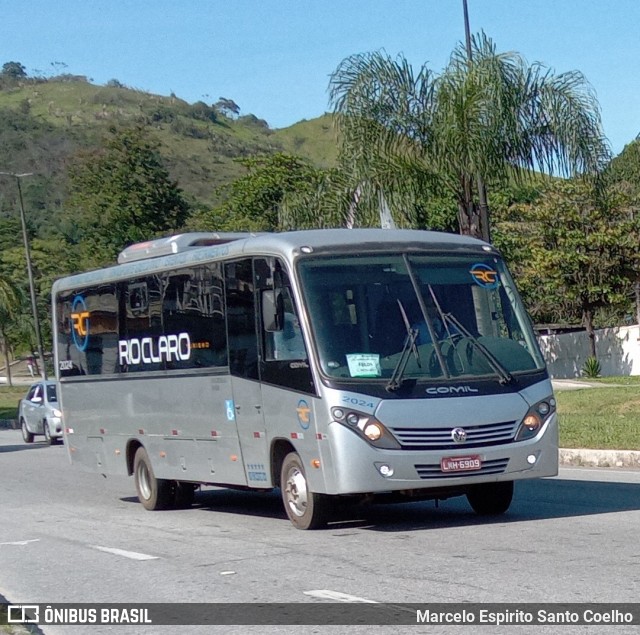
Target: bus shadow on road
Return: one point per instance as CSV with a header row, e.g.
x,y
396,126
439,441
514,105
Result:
x,y
24,446
533,501
267,504
545,499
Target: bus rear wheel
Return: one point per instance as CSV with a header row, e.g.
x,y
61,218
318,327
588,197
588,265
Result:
x,y
154,493
305,509
491,499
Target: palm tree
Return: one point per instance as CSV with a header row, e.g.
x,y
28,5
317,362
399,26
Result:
x,y
492,116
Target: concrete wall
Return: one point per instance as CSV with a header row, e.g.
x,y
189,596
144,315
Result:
x,y
617,350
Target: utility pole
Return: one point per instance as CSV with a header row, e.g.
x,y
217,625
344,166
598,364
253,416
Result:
x,y
482,190
32,289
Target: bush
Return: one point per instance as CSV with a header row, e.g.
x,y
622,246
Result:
x,y
591,368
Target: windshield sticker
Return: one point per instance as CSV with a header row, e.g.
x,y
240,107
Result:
x,y
485,276
364,365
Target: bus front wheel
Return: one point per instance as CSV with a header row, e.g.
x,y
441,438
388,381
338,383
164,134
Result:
x,y
491,499
305,509
154,493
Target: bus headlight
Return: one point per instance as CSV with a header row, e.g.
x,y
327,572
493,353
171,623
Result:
x,y
535,418
372,431
367,427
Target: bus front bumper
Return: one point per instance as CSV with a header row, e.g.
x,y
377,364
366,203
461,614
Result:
x,y
360,468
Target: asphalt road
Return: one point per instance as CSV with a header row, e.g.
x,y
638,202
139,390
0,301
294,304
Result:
x,y
71,536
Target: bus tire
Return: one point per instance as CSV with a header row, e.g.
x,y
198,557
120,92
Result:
x,y
26,435
491,499
154,493
305,509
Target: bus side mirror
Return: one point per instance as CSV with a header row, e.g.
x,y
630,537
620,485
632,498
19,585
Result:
x,y
272,311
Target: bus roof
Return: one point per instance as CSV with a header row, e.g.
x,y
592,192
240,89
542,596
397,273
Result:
x,y
192,248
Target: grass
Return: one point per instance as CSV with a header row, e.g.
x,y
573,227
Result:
x,y
9,397
602,418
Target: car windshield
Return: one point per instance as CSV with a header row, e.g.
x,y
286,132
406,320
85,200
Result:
x,y
51,393
417,316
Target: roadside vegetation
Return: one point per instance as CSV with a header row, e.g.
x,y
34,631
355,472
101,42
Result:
x,y
603,418
9,397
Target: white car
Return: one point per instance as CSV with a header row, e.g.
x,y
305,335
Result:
x,y
39,413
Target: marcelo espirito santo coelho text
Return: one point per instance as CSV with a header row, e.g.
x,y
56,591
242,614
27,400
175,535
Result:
x,y
520,616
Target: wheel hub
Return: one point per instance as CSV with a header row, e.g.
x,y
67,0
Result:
x,y
296,492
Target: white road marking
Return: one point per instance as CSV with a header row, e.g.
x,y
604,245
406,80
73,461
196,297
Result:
x,y
336,596
20,543
133,555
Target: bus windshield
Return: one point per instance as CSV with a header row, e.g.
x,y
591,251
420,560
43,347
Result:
x,y
399,317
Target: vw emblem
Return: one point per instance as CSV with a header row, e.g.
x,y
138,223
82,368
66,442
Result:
x,y
459,435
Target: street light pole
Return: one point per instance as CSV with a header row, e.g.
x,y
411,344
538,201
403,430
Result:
x,y
32,289
485,230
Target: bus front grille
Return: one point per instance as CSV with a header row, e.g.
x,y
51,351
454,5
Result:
x,y
442,438
430,471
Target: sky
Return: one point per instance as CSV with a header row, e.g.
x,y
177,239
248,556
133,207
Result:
x,y
274,58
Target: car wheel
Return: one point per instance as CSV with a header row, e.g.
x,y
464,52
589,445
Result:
x,y
48,439
26,435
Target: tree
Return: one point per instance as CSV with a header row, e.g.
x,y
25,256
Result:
x,y
253,202
227,107
123,194
625,168
14,70
574,251
10,304
494,116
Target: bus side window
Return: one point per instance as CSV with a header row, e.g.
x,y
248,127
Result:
x,y
284,355
288,343
241,319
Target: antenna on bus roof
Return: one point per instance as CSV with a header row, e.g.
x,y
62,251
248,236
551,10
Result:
x,y
176,244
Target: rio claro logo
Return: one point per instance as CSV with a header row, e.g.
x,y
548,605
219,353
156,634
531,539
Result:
x,y
485,276
80,323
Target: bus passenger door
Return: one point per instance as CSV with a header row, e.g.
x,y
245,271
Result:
x,y
247,410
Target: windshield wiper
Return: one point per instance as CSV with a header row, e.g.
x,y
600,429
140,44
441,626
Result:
x,y
505,377
409,347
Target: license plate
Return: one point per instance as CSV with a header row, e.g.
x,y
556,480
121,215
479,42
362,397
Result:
x,y
460,463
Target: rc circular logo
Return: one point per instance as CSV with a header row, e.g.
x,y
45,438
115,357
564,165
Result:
x,y
80,323
485,276
304,414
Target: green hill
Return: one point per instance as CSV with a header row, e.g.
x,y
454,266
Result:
x,y
44,123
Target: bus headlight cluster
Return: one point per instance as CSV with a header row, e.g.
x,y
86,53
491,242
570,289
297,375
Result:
x,y
535,418
366,426
373,431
